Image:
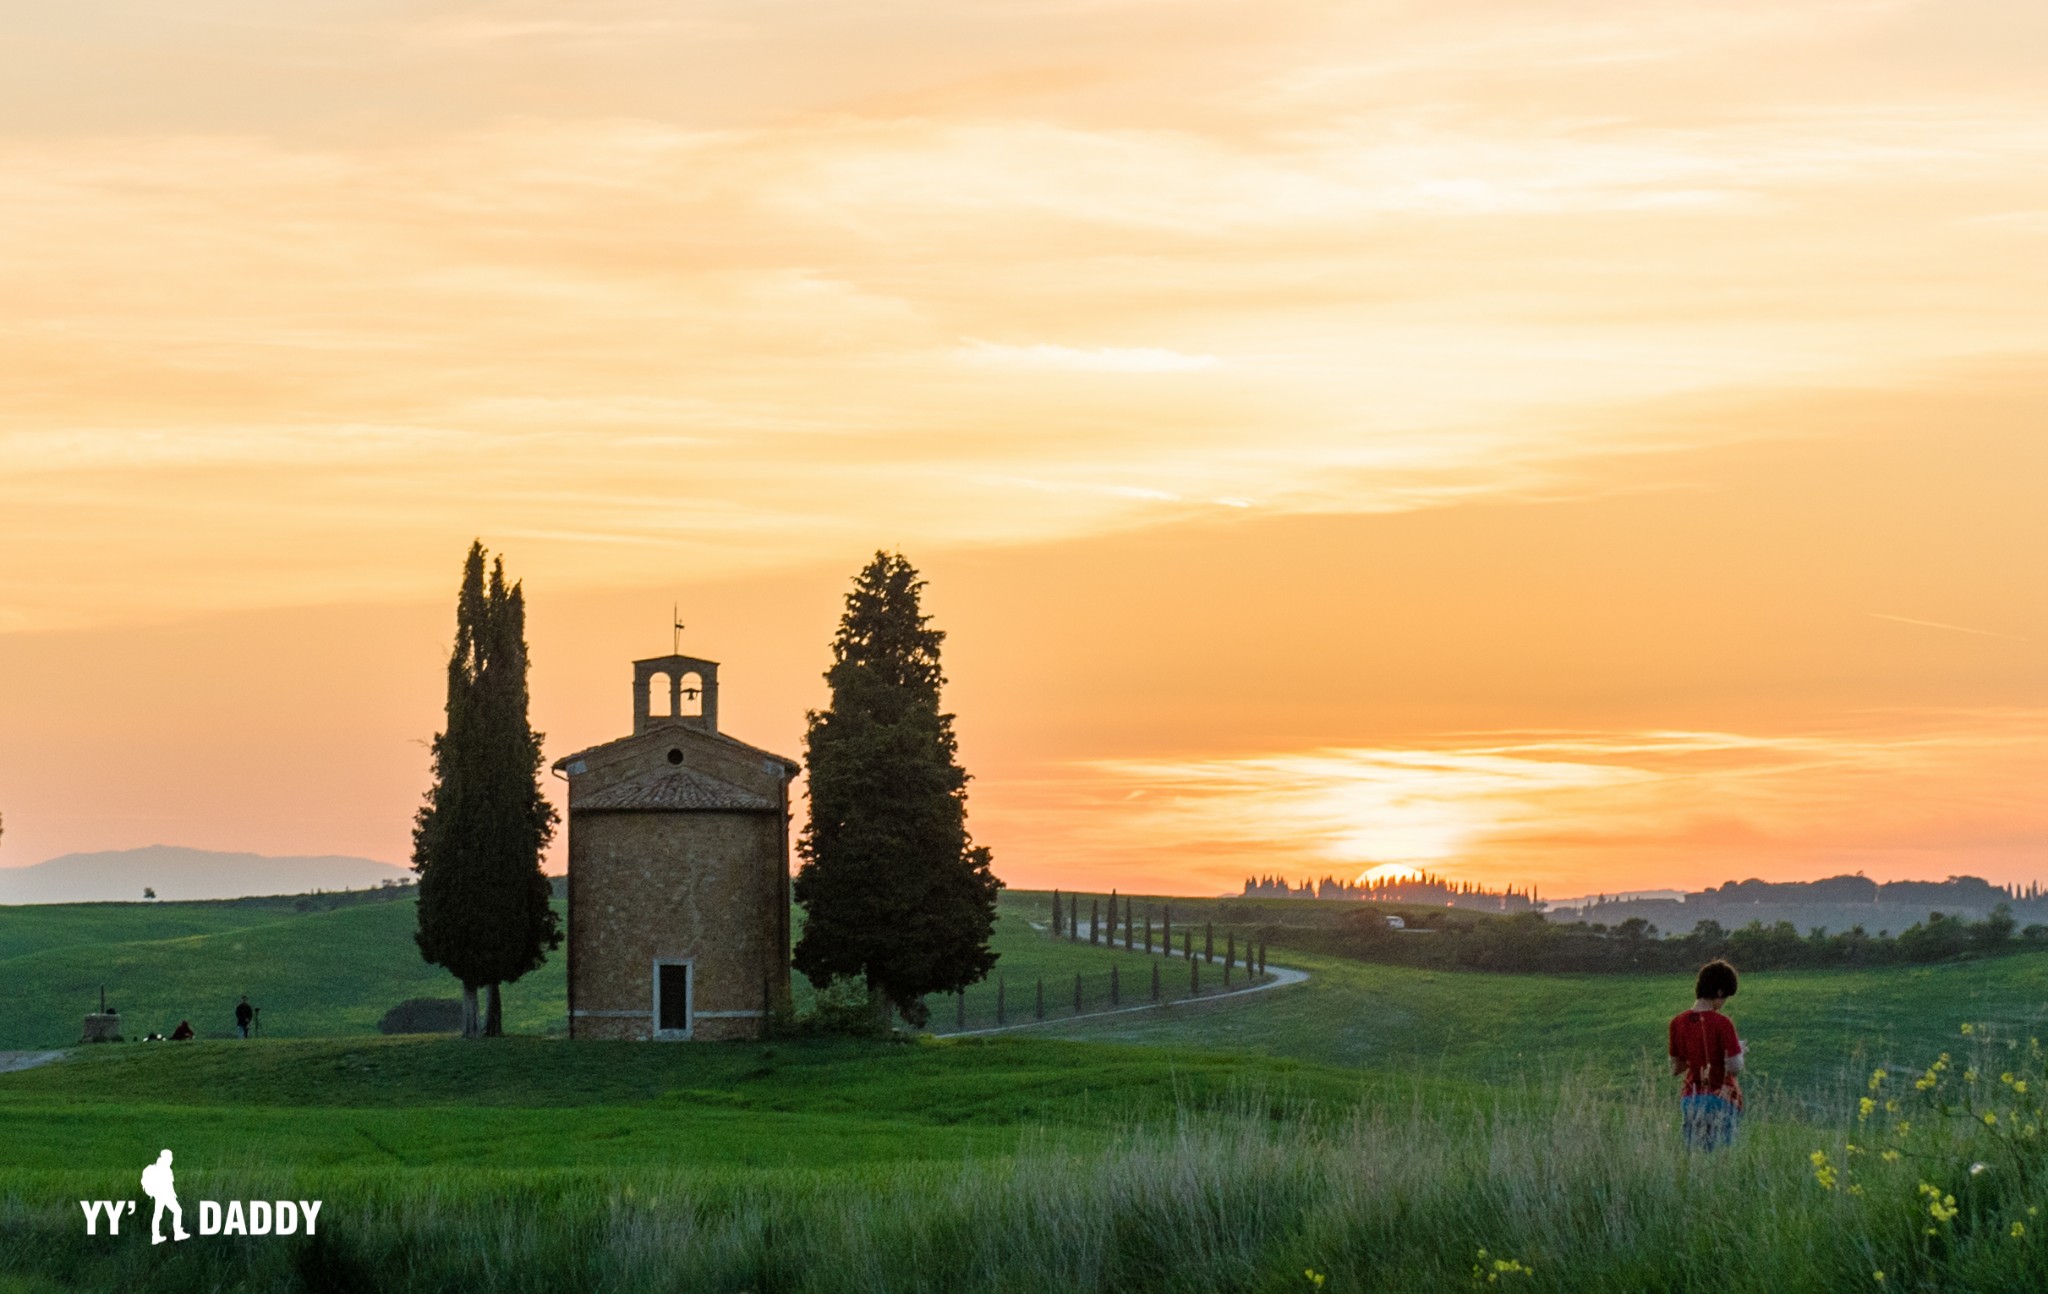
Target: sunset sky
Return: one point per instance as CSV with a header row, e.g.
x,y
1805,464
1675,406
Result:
x,y
1595,445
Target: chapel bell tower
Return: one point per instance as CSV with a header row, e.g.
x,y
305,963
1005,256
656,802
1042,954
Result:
x,y
675,689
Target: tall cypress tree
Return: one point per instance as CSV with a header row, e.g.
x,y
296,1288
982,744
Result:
x,y
484,910
894,890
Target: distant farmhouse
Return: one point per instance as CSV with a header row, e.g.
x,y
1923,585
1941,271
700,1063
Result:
x,y
678,870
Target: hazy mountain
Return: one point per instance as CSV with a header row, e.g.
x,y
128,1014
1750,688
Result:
x,y
178,873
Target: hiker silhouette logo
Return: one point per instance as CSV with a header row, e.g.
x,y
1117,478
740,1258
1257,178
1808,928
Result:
x,y
157,1184
216,1217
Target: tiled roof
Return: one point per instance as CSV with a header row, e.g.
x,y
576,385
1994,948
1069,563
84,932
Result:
x,y
669,730
677,790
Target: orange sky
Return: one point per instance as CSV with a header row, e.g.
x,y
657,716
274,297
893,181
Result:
x,y
1596,445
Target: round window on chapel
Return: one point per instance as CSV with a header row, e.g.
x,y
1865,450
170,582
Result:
x,y
675,757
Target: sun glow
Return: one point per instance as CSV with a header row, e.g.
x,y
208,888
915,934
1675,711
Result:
x,y
1389,872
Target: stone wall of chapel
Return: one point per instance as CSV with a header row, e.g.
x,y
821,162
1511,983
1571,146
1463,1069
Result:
x,y
711,888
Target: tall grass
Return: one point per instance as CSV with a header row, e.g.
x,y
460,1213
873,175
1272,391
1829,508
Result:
x,y
1587,1188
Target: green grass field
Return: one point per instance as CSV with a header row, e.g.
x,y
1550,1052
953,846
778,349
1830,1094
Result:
x,y
1376,1125
332,973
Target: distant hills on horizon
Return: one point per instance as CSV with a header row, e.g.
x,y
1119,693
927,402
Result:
x,y
1835,903
176,872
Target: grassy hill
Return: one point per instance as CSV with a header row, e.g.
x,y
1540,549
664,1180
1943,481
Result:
x,y
528,1102
314,974
1379,1126
1806,1028
334,972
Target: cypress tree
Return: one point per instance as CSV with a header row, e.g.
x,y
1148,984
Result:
x,y
894,890
484,910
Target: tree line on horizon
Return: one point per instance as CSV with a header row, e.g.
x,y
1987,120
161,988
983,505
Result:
x,y
1528,943
1422,887
898,898
1972,891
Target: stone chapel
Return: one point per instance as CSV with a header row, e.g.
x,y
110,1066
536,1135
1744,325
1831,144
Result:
x,y
678,870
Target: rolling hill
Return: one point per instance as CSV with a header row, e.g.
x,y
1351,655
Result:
x,y
177,873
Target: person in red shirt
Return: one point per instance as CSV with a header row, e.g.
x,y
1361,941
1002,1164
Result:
x,y
1705,1049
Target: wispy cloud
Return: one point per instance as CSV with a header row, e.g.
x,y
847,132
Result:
x,y
1082,359
1936,624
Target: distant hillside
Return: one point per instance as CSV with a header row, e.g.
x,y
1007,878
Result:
x,y
1836,904
178,873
